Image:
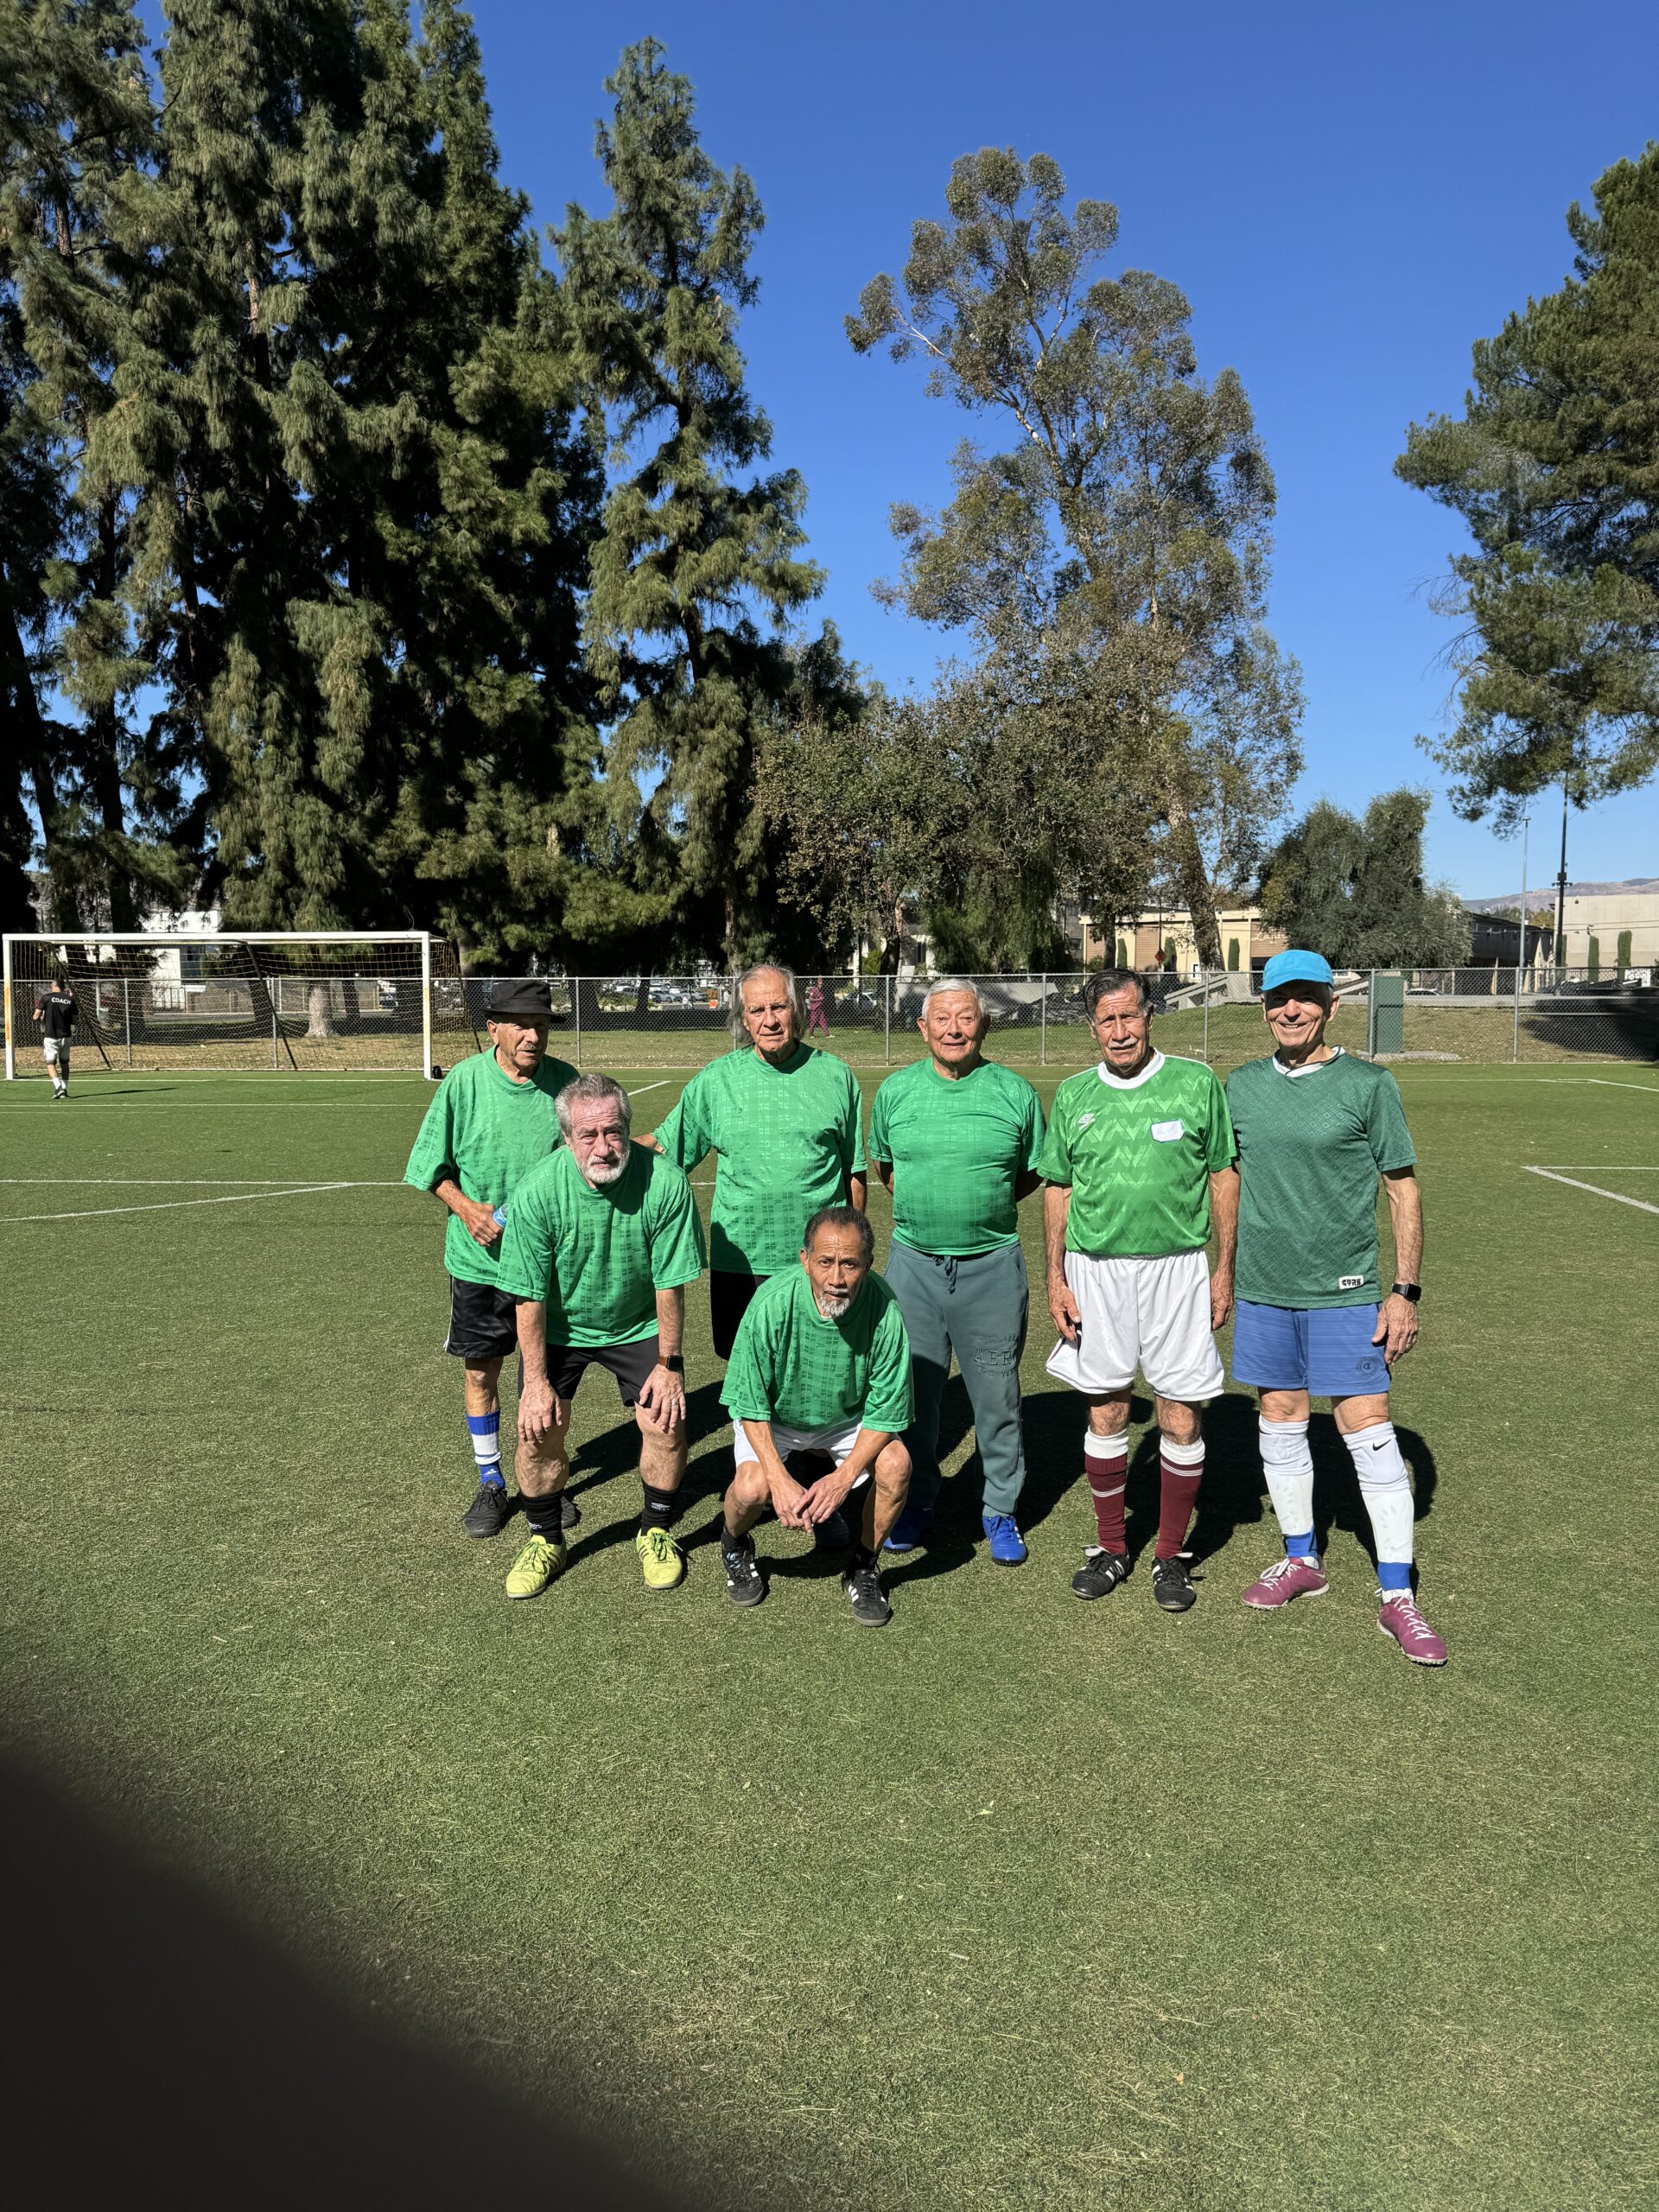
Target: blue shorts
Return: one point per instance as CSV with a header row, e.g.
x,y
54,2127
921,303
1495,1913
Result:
x,y
1325,1349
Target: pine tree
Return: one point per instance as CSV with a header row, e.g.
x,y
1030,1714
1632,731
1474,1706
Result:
x,y
696,570
78,131
1555,466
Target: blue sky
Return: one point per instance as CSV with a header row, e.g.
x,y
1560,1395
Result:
x,y
1349,195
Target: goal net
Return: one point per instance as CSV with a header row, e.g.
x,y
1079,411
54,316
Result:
x,y
369,1000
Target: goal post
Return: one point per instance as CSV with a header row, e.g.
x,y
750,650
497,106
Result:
x,y
242,1000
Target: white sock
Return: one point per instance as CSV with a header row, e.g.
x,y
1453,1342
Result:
x,y
1385,1486
1288,1465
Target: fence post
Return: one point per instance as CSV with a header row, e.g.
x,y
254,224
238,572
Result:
x,y
1515,1047
126,1016
1042,1049
5,983
426,1006
887,1023
1205,972
575,1000
273,995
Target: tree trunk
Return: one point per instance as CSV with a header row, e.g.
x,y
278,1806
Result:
x,y
320,1015
1194,881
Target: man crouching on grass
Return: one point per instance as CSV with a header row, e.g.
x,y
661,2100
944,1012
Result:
x,y
821,1364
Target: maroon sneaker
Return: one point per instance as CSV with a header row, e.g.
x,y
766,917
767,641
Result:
x,y
1400,1618
1285,1579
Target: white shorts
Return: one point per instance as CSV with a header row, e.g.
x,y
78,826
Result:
x,y
837,1442
55,1051
1149,1313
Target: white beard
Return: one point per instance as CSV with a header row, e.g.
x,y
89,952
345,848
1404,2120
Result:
x,y
600,1178
831,1308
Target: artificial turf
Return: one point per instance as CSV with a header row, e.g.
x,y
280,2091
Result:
x,y
1023,1902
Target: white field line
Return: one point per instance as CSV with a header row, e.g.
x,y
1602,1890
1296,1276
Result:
x,y
640,1093
190,1182
1607,1083
1595,1168
167,1205
1619,1198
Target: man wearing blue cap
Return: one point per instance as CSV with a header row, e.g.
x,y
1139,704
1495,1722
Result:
x,y
1315,1129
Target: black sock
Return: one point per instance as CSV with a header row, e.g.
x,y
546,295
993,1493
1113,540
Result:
x,y
541,1515
728,1542
658,1511
863,1556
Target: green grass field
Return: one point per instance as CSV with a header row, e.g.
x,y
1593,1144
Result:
x,y
1021,1903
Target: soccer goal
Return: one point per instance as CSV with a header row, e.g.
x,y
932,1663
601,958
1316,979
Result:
x,y
241,1000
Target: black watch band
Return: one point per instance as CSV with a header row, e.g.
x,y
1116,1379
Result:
x,y
674,1362
1411,1292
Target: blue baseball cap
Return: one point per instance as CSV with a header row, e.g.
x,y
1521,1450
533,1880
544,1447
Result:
x,y
1297,967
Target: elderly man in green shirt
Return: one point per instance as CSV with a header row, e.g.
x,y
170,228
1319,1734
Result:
x,y
602,1237
957,1140
820,1368
783,1122
492,1118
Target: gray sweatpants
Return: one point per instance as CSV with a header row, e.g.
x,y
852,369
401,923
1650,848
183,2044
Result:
x,y
977,1309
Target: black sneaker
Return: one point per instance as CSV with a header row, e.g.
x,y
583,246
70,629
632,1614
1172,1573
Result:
x,y
1100,1573
868,1599
489,1512
1172,1586
833,1535
744,1586
569,1511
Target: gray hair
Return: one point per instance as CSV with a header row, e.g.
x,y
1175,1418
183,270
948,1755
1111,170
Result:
x,y
592,1090
792,990
840,1218
947,984
1118,979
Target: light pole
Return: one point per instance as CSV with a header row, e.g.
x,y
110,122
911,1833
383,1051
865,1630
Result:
x,y
1560,880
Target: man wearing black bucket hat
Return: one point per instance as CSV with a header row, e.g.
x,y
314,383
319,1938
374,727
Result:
x,y
492,1118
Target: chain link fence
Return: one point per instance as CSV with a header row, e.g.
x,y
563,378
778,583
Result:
x,y
1488,1015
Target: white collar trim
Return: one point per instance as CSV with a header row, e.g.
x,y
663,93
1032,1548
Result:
x,y
1129,1082
1308,1067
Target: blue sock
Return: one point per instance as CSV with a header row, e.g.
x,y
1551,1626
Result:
x,y
485,1431
1394,1574
1300,1546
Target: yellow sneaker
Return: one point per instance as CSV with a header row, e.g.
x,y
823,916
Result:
x,y
661,1561
536,1567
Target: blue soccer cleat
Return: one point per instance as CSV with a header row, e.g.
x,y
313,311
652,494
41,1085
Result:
x,y
1007,1545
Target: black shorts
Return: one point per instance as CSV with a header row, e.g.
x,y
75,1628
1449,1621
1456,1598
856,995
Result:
x,y
729,1299
483,1321
630,1364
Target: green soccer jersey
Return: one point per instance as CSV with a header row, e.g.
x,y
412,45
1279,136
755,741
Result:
x,y
957,1146
1138,1156
486,1130
597,1258
789,1364
786,1138
1311,1146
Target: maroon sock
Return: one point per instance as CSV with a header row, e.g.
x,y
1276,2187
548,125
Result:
x,y
1177,1493
1106,1480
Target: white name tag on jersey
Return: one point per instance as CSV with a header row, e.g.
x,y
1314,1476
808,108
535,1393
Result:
x,y
1168,1132
1348,1282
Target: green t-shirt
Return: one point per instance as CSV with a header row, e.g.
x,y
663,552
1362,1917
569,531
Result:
x,y
956,1145
1311,1146
486,1130
1138,1156
787,1139
789,1364
598,1258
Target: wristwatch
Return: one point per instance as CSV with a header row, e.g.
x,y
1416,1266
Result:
x,y
674,1362
1411,1292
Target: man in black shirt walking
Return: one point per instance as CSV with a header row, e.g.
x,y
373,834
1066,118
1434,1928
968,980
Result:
x,y
55,1012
